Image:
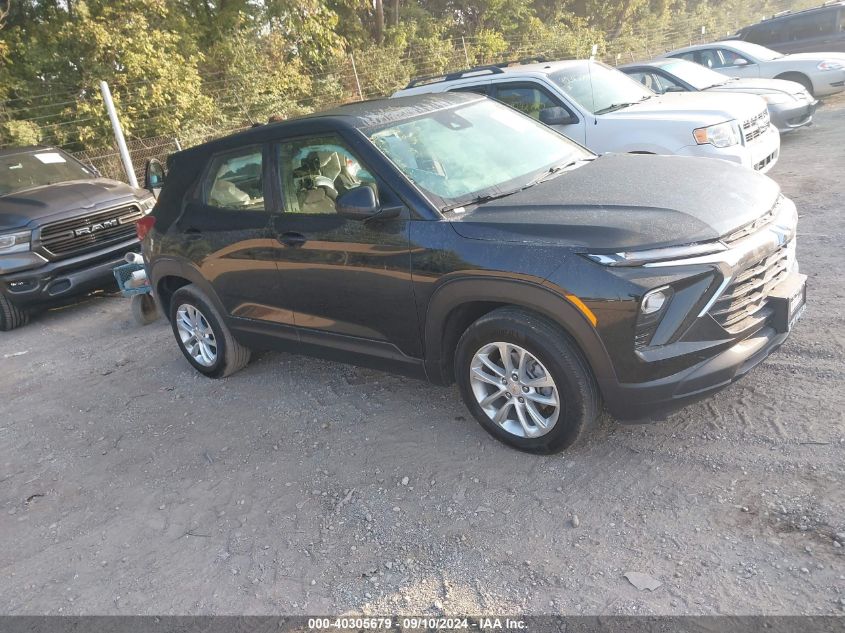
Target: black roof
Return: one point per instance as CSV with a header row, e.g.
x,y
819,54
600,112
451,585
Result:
x,y
357,114
789,13
27,149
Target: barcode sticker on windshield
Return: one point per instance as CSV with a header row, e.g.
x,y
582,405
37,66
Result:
x,y
49,158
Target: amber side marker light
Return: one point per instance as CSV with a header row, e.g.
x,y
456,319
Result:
x,y
583,309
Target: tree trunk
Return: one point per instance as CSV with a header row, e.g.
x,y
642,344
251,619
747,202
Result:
x,y
395,15
379,21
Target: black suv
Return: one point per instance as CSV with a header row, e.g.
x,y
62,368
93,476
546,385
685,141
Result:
x,y
453,238
820,29
62,229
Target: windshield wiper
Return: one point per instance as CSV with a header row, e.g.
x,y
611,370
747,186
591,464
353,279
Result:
x,y
618,106
613,107
480,200
555,170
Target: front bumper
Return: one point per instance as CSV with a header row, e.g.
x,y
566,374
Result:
x,y
641,401
761,154
50,282
790,116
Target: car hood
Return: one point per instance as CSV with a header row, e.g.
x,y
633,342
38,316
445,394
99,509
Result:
x,y
694,107
50,202
625,202
757,85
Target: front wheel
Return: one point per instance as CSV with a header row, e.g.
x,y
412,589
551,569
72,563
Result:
x,y
11,316
203,336
525,381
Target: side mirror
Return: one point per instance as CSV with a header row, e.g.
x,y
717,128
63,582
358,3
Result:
x,y
153,175
739,61
360,203
674,89
556,115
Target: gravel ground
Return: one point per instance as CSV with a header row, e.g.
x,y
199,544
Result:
x,y
129,484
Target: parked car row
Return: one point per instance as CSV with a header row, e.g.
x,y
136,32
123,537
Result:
x,y
603,109
554,237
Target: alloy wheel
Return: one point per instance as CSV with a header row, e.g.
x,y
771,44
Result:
x,y
196,335
514,389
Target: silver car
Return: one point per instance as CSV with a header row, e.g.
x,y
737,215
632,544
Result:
x,y
790,105
822,74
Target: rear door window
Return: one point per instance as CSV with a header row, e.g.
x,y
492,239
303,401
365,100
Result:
x,y
811,25
235,181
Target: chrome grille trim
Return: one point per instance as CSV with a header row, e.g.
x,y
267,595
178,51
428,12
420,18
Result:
x,y
756,126
738,307
88,232
756,225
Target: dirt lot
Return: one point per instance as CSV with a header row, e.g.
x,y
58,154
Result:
x,y
129,484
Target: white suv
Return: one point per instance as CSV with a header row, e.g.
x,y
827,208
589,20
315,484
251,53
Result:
x,y
606,111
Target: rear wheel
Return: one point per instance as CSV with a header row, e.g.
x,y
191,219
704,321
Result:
x,y
525,381
11,316
203,336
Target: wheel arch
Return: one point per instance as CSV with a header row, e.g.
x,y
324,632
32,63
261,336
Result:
x,y
458,303
171,274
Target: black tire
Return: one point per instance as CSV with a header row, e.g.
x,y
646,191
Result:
x,y
11,316
798,78
551,346
231,356
144,309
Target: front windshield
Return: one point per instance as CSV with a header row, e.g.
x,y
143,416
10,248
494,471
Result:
x,y
761,53
599,88
694,74
35,169
481,149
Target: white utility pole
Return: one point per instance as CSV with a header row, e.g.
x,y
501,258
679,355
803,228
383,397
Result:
x,y
125,158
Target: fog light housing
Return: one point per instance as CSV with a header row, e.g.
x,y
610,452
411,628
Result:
x,y
652,308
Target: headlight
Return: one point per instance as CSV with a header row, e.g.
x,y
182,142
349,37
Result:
x,y
719,135
147,204
15,242
776,98
830,65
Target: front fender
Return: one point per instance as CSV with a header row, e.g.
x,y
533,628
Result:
x,y
531,295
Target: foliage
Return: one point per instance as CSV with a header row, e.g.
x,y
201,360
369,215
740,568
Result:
x,y
194,68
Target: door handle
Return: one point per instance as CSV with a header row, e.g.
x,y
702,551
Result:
x,y
292,239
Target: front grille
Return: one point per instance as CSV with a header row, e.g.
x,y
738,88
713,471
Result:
x,y
761,164
756,126
89,232
743,302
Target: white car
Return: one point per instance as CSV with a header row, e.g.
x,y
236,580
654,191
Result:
x,y
822,74
606,111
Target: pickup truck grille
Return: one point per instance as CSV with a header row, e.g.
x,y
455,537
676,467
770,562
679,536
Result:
x,y
743,302
756,126
89,232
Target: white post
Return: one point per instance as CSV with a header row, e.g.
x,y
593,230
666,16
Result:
x,y
466,55
118,135
357,81
593,52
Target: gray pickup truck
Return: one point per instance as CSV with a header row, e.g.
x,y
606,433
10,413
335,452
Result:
x,y
62,229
